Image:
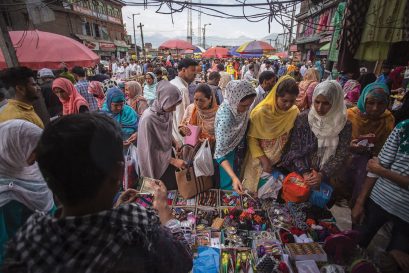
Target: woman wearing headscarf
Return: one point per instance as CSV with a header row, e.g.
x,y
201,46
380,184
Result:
x,y
155,137
116,108
201,113
96,89
149,90
320,70
373,123
270,125
319,142
352,91
396,76
135,97
306,87
72,101
22,187
231,125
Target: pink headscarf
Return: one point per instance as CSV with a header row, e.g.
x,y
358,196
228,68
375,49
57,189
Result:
x,y
95,88
75,101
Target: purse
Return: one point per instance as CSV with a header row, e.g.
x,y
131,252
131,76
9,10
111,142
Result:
x,y
189,185
294,189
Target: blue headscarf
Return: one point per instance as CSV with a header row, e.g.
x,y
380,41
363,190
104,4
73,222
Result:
x,y
149,91
127,118
372,89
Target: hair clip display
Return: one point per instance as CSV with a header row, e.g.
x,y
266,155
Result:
x,y
182,202
229,199
205,217
208,198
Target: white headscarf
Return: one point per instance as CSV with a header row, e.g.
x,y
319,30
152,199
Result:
x,y
327,128
230,125
18,180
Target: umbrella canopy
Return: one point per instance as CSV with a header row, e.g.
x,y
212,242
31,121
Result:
x,y
216,52
176,44
273,57
233,52
37,49
282,55
255,47
197,50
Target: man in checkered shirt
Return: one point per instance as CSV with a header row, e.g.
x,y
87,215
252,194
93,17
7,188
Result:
x,y
82,87
82,161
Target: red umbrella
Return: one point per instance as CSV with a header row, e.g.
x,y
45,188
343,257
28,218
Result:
x,y
176,44
216,52
37,49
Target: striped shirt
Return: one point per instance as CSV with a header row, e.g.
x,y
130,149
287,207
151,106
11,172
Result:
x,y
82,88
394,156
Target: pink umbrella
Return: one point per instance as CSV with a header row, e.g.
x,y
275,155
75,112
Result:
x,y
176,44
216,52
38,49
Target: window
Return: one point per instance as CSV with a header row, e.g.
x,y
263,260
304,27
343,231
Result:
x,y
110,11
97,31
104,33
86,29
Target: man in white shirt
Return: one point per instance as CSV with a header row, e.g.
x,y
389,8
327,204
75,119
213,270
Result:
x,y
114,67
120,72
186,75
249,76
266,67
128,70
267,80
132,67
303,68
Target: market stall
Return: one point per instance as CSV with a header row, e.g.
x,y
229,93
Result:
x,y
244,234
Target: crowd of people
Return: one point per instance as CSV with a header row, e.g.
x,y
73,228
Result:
x,y
64,134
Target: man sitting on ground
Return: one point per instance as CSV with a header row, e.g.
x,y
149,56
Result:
x,y
81,159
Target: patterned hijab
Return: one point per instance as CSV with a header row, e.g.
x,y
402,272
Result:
x,y
95,88
327,128
230,125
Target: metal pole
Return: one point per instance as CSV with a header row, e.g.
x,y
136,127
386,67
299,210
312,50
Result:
x,y
290,31
143,44
204,34
6,45
134,36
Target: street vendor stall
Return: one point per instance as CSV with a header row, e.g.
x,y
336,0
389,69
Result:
x,y
244,234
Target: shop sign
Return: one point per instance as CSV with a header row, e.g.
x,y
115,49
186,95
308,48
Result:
x,y
91,45
89,12
121,49
115,20
106,46
293,48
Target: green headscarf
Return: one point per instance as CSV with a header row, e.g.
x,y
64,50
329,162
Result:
x,y
373,89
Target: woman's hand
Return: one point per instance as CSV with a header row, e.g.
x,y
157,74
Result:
x,y
374,166
133,138
357,213
355,147
314,179
184,131
178,163
126,197
266,164
237,186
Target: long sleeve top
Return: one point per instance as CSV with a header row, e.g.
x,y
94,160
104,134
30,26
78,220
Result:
x,y
300,154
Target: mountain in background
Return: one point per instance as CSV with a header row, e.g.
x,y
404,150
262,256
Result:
x,y
212,40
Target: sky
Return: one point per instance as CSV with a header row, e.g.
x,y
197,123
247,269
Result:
x,y
162,24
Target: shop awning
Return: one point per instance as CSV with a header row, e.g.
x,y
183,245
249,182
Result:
x,y
325,47
88,42
310,39
121,46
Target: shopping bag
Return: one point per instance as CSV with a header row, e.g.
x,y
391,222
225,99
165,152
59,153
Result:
x,y
321,197
203,160
269,185
188,184
193,138
131,168
294,189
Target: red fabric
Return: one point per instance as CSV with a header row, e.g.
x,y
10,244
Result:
x,y
176,44
75,101
38,49
396,78
216,52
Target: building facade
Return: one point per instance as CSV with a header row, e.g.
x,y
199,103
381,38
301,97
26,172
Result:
x,y
96,23
314,29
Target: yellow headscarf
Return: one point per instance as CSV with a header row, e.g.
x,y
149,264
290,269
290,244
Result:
x,y
269,122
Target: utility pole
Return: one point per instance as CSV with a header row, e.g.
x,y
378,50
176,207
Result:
x,y
134,34
143,43
290,31
204,34
189,22
199,24
270,40
6,45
